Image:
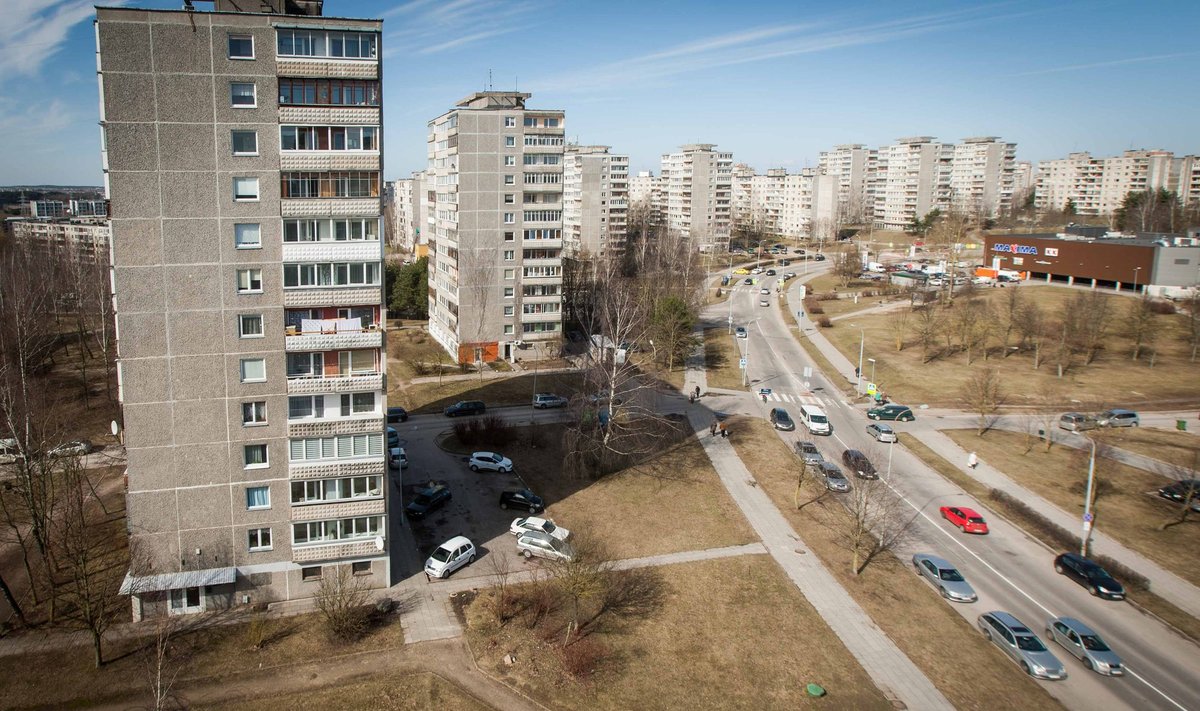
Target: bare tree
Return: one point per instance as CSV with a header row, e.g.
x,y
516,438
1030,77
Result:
x,y
878,521
1093,314
501,570
927,325
1139,324
1010,311
846,266
580,577
972,320
1032,328
163,660
898,324
1191,315
983,394
341,599
1185,470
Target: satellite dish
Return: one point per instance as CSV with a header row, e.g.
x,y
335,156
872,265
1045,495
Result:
x,y
379,542
116,429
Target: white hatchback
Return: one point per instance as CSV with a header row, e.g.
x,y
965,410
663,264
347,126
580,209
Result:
x,y
449,557
490,461
533,523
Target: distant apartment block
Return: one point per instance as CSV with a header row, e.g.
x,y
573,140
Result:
x,y
914,175
1098,186
407,197
698,193
84,239
782,204
850,164
595,202
242,163
47,209
495,199
643,188
981,176
89,208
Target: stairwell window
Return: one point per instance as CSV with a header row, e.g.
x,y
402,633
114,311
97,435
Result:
x,y
242,95
254,456
247,235
245,189
250,326
241,47
245,143
253,370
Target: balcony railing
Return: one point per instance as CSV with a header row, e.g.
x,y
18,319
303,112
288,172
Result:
x,y
317,384
344,335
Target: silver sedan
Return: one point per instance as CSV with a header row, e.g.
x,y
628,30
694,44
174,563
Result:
x,y
1085,645
945,577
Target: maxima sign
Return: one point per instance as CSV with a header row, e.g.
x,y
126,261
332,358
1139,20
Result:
x,y
1015,249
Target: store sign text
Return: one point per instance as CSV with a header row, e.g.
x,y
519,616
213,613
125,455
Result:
x,y
1015,249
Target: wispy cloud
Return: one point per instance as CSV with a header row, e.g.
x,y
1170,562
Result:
x,y
20,120
34,30
758,44
429,27
1109,63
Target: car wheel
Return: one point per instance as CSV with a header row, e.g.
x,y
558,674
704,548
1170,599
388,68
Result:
x,y
908,419
1094,591
470,559
1025,668
503,506
527,554
474,467
1058,568
504,470
532,509
962,527
944,593
1088,663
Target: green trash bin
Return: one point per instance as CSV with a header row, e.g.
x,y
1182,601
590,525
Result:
x,y
815,690
1181,425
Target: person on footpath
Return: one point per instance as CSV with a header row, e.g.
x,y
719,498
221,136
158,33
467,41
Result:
x,y
712,429
972,460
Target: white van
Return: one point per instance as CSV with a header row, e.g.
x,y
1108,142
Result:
x,y
815,419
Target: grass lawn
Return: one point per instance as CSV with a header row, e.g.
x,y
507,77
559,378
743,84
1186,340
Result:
x,y
727,634
410,345
1169,446
496,392
404,692
675,492
1125,509
971,673
1112,380
721,356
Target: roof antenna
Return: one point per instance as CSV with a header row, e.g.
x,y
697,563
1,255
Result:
x,y
489,80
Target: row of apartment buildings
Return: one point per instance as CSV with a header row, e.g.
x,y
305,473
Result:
x,y
1098,186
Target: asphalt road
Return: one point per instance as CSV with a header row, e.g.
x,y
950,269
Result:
x,y
1008,569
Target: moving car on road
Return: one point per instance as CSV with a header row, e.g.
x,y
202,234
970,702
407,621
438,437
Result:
x,y
965,519
465,407
858,463
1090,575
740,332
782,420
449,557
809,453
396,415
1021,645
546,400
543,545
490,461
428,500
533,523
1118,418
1085,645
522,499
945,577
881,432
1077,422
835,480
901,413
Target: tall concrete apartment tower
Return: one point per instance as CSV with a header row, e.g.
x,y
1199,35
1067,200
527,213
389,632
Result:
x,y
595,202
242,161
495,252
915,179
849,163
697,185
982,175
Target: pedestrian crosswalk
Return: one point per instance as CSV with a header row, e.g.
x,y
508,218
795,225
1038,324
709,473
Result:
x,y
793,398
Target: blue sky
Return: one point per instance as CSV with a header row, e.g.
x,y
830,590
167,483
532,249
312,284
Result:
x,y
773,82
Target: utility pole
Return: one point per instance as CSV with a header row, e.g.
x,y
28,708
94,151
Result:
x,y
1087,502
862,339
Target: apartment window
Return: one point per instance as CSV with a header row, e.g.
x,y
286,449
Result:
x,y
328,138
241,47
510,199
242,95
509,236
336,530
305,407
245,143
508,310
305,365
254,413
530,122
335,230
247,235
510,141
358,404
336,447
509,255
310,574
260,539
550,123
336,274
253,370
245,189
508,292
258,497
317,491
334,184
318,43
249,281
508,329
362,567
250,326
510,180
510,274
510,160
509,218
510,121
254,456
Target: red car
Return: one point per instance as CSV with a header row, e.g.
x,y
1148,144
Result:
x,y
967,520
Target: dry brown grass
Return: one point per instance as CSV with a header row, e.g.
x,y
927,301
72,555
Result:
x,y
1168,446
399,693
730,634
407,345
721,356
1126,507
424,398
971,673
1113,379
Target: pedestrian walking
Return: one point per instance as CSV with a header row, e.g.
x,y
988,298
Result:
x,y
697,392
724,432
712,429
972,460
692,398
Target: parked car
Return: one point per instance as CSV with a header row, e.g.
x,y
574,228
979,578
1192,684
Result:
x,y
741,270
398,458
835,480
74,448
1085,645
449,557
465,407
546,400
1090,575
765,291
533,523
901,413
1183,490
809,453
965,519
858,463
490,461
9,453
428,500
1021,645
522,499
740,332
393,438
1077,422
1119,418
945,577
764,302
782,420
543,545
396,414
881,432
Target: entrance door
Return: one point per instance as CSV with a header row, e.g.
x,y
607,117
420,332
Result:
x,y
185,601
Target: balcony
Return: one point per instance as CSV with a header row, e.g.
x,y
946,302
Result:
x,y
334,469
330,426
541,318
316,297
315,385
331,335
356,548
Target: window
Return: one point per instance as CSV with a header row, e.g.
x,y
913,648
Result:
x,y
334,184
254,456
530,122
260,539
305,407
245,143
510,121
510,180
316,491
258,497
185,600
336,530
247,235
508,329
358,404
335,230
336,447
509,236
249,281
508,310
311,573
509,218
510,160
241,47
509,255
509,198
250,326
328,92
508,292
318,43
254,413
362,567
253,370
242,95
510,274
245,189
329,138
510,141
336,274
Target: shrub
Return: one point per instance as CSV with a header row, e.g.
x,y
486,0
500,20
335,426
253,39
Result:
x,y
824,322
812,307
1162,307
582,656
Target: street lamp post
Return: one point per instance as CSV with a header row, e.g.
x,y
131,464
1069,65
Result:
x,y
872,362
1087,502
1135,278
862,340
746,370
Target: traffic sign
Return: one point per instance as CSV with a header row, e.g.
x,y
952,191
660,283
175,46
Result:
x,y
742,363
1087,517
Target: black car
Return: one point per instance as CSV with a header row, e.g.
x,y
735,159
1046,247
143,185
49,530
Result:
x,y
819,257
1090,575
393,438
397,414
427,500
1184,489
858,463
770,272
522,499
465,407
782,420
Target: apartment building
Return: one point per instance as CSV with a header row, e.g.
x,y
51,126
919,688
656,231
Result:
x,y
1023,173
595,202
850,164
742,194
1098,186
643,187
407,197
82,238
782,204
47,209
914,175
242,159
495,250
982,172
698,193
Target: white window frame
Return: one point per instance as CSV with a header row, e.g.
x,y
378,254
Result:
x,y
261,507
510,218
510,160
510,274
509,292
239,233
510,180
244,319
510,141
184,608
253,95
510,121
242,370
257,189
257,412
508,329
258,465
233,141
250,276
229,47
508,310
256,534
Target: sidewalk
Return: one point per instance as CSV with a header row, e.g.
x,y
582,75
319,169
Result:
x,y
1163,583
893,672
809,330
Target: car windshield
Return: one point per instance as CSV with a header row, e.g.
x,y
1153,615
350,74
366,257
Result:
x,y
835,475
818,418
441,555
1094,643
972,519
526,494
950,574
783,417
548,527
422,499
1030,643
